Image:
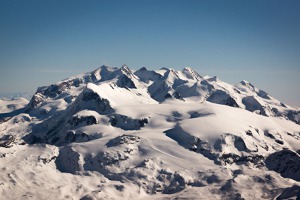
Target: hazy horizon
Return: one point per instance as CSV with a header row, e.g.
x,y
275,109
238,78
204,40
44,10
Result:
x,y
43,42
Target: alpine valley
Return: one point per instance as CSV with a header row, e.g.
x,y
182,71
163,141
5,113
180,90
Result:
x,y
117,133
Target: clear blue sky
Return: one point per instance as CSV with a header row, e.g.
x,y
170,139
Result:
x,y
42,42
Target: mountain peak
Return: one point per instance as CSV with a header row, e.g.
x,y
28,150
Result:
x,y
125,69
169,83
213,79
124,66
191,74
246,83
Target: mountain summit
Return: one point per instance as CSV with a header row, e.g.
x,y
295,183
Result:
x,y
120,133
161,85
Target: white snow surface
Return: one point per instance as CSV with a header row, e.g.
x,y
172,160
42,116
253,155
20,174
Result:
x,y
115,133
7,106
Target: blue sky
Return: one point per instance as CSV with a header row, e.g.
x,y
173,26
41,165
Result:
x,y
42,42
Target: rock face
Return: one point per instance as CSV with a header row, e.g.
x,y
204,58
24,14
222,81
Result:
x,y
89,99
116,133
285,162
221,97
127,123
291,192
67,160
7,141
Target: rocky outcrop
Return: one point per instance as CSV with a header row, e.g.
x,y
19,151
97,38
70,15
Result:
x,y
146,75
89,99
123,139
7,141
127,123
221,97
68,160
286,163
85,120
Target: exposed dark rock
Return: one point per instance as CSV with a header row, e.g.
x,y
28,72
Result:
x,y
290,193
123,139
52,91
239,144
176,95
279,141
146,76
86,120
91,100
103,159
127,123
67,160
87,197
189,142
291,115
283,105
175,117
286,163
36,100
231,158
119,187
47,160
168,96
229,192
125,82
55,127
7,141
33,139
221,97
237,91
191,74
73,137
195,114
231,102
252,104
269,135
5,119
22,118
249,132
275,137
295,135
177,184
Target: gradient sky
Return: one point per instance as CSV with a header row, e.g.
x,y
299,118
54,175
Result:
x,y
42,42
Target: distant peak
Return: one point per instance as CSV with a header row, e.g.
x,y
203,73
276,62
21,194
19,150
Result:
x,y
187,69
213,79
191,74
105,67
124,66
125,69
165,68
243,82
247,83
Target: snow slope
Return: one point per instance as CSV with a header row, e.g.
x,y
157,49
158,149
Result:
x,y
7,106
115,133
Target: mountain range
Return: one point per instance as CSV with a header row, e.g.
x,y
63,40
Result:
x,y
117,133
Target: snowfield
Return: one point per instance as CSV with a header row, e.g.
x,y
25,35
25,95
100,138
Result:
x,y
116,133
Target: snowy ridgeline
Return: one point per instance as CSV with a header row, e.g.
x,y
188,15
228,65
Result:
x,y
114,133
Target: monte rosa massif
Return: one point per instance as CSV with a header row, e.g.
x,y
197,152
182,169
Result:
x,y
117,133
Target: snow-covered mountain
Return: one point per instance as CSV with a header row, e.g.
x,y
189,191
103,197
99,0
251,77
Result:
x,y
116,133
